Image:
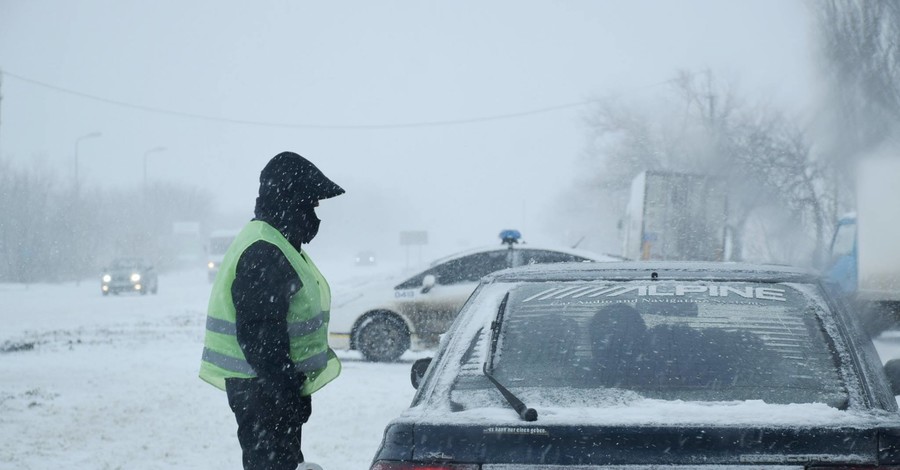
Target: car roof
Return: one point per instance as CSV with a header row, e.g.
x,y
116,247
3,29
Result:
x,y
485,249
128,261
674,270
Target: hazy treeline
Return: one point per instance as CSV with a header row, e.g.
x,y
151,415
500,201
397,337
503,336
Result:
x,y
48,232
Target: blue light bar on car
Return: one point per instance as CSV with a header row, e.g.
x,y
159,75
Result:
x,y
510,237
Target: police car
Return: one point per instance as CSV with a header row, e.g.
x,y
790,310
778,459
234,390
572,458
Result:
x,y
385,320
639,365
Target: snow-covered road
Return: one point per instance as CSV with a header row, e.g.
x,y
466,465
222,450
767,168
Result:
x,y
111,383
92,382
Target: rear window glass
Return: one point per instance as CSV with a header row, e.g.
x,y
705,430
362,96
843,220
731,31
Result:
x,y
693,341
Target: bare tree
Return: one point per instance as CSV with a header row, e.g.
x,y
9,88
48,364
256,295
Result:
x,y
859,52
778,156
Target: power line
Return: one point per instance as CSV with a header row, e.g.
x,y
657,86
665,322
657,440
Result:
x,y
283,125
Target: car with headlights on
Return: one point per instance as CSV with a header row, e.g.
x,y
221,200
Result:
x,y
384,319
129,275
650,365
365,258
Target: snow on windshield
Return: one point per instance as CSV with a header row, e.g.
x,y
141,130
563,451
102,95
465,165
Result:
x,y
614,346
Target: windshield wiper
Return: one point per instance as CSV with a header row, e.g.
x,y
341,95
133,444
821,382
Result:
x,y
526,413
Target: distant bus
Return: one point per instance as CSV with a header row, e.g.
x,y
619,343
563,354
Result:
x,y
219,241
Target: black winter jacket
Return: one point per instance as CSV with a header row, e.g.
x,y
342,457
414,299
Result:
x,y
263,285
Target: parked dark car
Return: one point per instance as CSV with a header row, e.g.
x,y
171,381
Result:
x,y
639,365
129,275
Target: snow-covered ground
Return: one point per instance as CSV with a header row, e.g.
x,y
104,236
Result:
x,y
111,383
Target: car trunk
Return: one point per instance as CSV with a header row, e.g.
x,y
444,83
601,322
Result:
x,y
534,444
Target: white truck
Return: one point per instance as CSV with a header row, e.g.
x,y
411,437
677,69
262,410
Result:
x,y
865,250
675,216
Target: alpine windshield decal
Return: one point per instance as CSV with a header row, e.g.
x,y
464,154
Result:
x,y
694,291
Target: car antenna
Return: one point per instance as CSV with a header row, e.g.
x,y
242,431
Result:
x,y
578,242
526,413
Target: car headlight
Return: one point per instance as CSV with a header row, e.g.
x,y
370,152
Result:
x,y
107,278
135,277
211,265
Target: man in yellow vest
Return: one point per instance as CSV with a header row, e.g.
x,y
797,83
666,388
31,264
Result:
x,y
267,322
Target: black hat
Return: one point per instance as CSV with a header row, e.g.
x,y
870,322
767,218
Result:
x,y
289,173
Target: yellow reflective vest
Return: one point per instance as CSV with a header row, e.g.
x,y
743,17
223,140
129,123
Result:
x,y
307,317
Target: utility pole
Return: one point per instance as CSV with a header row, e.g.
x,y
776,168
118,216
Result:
x,y
78,141
3,255
78,233
147,154
1,113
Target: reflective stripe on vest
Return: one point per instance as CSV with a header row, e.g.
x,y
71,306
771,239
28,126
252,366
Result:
x,y
295,329
234,364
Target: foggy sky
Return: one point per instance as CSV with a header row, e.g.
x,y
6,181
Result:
x,y
369,63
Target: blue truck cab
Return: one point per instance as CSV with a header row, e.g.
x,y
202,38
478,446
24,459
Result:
x,y
842,267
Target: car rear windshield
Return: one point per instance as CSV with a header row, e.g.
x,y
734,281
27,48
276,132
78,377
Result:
x,y
698,341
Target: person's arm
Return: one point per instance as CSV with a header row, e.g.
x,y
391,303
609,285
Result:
x,y
263,285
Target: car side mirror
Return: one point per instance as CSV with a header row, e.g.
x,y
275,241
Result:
x,y
418,371
892,371
428,282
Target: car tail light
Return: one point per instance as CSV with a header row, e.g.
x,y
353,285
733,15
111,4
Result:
x,y
853,467
385,465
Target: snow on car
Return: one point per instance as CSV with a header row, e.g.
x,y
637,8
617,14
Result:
x,y
638,364
385,319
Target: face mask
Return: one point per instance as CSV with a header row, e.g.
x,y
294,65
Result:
x,y
309,225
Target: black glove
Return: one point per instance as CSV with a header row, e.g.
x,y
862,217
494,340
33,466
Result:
x,y
296,410
298,407
303,408
282,390
284,393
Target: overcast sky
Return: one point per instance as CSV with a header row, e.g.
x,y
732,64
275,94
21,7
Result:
x,y
365,63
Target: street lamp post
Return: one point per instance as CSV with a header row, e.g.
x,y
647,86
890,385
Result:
x,y
146,154
79,258
78,141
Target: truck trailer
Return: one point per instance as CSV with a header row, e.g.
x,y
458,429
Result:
x,y
675,216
